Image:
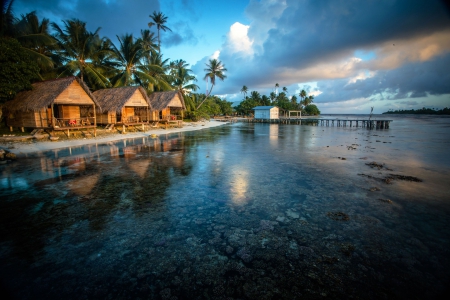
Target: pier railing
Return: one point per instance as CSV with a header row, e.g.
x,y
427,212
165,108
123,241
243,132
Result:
x,y
371,124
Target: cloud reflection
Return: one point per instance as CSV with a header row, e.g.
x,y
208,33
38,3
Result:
x,y
239,187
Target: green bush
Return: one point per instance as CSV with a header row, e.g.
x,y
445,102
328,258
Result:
x,y
17,69
312,110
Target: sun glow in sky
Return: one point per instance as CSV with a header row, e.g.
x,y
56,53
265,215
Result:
x,y
351,55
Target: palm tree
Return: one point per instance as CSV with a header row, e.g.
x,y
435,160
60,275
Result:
x,y
308,100
159,19
7,19
105,62
35,37
255,96
78,49
294,100
148,43
158,68
175,65
132,71
272,96
183,81
244,90
214,69
276,88
302,94
265,100
285,90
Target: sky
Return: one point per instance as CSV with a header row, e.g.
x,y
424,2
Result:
x,y
351,55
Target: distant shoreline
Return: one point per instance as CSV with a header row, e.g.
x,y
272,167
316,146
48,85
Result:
x,y
422,111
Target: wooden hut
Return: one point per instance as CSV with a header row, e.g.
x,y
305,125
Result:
x,y
127,106
59,104
266,112
167,105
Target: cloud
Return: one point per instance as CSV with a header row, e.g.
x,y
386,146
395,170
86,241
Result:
x,y
181,33
238,41
294,42
412,80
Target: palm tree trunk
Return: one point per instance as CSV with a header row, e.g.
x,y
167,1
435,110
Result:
x,y
207,95
159,43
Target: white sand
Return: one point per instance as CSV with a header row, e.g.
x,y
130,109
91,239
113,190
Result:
x,y
22,148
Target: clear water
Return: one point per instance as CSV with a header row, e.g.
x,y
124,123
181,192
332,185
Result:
x,y
241,211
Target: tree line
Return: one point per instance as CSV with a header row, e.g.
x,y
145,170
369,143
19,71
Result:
x,y
421,111
33,49
282,100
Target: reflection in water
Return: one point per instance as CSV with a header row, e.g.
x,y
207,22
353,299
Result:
x,y
83,185
244,211
239,186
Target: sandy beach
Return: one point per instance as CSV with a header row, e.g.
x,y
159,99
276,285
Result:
x,y
22,146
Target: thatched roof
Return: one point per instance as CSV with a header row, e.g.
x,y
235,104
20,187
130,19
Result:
x,y
114,99
161,100
44,94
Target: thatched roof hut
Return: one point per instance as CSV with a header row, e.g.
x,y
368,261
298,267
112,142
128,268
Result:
x,y
167,102
163,100
58,104
115,99
128,104
45,93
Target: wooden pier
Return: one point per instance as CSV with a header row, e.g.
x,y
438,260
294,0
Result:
x,y
371,124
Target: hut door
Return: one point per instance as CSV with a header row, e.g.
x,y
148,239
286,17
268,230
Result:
x,y
129,113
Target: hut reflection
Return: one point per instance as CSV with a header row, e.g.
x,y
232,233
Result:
x,y
83,186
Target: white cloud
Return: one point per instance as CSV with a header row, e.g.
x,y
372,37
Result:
x,y
238,40
215,55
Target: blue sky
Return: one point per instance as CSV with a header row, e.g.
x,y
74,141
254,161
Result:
x,y
351,55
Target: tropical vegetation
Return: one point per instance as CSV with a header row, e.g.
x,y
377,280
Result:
x,y
32,49
282,100
421,111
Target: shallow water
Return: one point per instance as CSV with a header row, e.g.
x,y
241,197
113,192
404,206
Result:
x,y
241,211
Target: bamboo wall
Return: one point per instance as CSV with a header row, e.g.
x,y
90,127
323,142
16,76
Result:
x,y
106,118
136,100
28,119
75,95
176,102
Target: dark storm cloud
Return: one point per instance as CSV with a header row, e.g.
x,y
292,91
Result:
x,y
412,80
316,30
115,17
308,34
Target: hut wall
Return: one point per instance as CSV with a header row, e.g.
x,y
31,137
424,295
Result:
x,y
74,94
142,113
29,119
175,102
106,118
136,100
154,115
